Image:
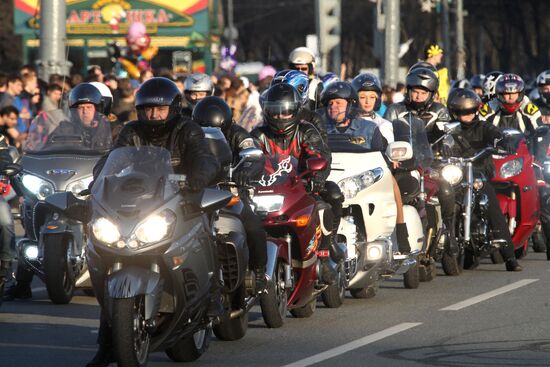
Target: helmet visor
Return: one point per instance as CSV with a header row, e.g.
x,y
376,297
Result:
x,y
281,108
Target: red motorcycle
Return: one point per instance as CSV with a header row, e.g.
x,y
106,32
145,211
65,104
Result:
x,y
517,182
292,220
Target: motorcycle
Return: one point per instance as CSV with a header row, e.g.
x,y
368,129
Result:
x,y
295,222
369,216
517,182
152,256
54,245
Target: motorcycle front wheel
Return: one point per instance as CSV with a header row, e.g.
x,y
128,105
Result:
x,y
59,274
411,279
305,311
334,295
233,329
274,302
190,348
131,339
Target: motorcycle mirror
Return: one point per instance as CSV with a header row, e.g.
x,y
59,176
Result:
x,y
251,153
213,199
450,126
11,169
316,164
399,151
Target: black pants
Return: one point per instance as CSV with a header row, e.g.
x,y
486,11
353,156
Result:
x,y
498,223
545,216
333,196
255,236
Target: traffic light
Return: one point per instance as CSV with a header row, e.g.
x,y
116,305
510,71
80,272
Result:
x,y
328,30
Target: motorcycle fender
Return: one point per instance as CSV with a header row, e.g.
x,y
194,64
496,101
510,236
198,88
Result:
x,y
507,205
414,227
276,249
134,281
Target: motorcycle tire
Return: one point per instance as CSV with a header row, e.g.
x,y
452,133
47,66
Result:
x,y
190,348
60,282
363,293
333,296
273,303
539,241
427,272
411,279
470,260
233,329
451,264
304,311
131,348
496,257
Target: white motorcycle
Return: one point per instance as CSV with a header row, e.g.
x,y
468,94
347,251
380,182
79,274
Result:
x,y
368,224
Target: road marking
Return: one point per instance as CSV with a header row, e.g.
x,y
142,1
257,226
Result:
x,y
331,353
20,318
486,296
43,346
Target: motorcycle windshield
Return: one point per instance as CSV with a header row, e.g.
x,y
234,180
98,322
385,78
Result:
x,y
78,131
278,169
345,143
413,130
136,179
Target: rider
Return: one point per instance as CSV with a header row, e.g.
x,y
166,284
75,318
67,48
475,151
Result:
x,y
214,112
160,123
86,122
543,102
421,87
285,134
196,87
7,230
475,135
303,59
476,83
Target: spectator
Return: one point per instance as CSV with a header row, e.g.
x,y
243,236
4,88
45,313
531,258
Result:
x,y
124,108
8,126
14,89
53,98
95,74
3,83
145,75
76,79
399,94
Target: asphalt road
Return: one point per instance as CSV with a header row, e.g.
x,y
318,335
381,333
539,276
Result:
x,y
484,317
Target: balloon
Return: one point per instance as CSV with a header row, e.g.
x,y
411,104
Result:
x,y
136,30
149,52
130,67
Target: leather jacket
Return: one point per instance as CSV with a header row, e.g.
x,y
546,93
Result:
x,y
527,118
239,139
182,137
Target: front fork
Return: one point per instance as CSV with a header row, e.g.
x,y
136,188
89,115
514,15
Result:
x,y
468,201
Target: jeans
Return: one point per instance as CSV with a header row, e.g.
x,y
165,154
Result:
x,y
7,232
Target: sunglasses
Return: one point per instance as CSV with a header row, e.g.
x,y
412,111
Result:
x,y
301,68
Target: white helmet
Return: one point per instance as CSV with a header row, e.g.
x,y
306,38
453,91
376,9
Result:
x,y
106,97
302,55
197,82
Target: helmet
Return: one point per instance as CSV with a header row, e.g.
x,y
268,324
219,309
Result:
x,y
302,55
463,101
339,89
510,83
329,78
422,64
368,82
421,78
213,112
542,80
106,97
298,80
158,91
280,76
489,85
197,82
477,81
85,93
463,83
282,99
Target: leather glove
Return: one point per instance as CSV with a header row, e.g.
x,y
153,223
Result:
x,y
197,183
317,183
241,177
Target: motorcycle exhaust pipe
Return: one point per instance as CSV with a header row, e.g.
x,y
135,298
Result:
x,y
288,267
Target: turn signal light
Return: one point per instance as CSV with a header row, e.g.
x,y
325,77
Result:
x,y
302,220
234,200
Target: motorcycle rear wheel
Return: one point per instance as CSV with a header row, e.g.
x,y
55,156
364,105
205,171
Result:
x,y
305,311
451,264
131,339
59,278
274,302
427,272
233,329
190,348
333,296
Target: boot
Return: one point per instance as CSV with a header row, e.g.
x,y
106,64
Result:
x,y
328,273
513,265
103,357
402,235
20,290
260,279
337,252
5,269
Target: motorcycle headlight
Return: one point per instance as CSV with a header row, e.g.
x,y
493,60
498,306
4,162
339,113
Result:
x,y
268,203
452,174
511,168
77,186
156,227
352,185
37,186
105,231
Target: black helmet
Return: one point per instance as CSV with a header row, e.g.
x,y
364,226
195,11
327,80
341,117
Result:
x,y
281,99
477,81
85,93
339,89
422,64
461,83
158,91
421,78
463,101
213,112
368,82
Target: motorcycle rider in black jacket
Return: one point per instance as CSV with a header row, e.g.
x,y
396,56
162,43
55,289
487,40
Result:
x,y
421,87
158,103
473,136
214,112
286,134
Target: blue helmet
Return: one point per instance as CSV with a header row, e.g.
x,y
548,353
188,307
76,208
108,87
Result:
x,y
297,79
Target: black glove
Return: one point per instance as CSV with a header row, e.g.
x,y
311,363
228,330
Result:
x,y
242,177
197,183
317,183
